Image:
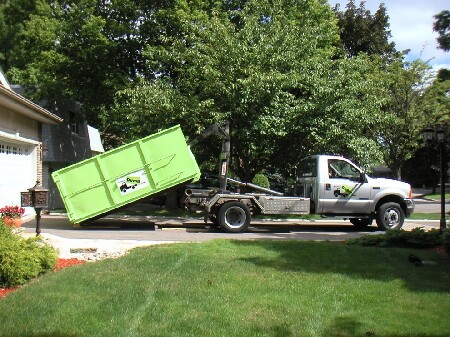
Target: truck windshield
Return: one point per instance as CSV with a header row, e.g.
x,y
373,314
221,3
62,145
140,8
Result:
x,y
341,169
307,168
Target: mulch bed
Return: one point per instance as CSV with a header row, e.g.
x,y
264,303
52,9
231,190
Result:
x,y
60,264
64,263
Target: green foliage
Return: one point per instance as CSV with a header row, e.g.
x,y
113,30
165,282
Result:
x,y
362,32
23,259
348,112
272,76
261,180
272,68
442,27
403,119
416,238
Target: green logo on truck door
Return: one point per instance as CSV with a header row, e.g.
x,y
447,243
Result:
x,y
132,182
344,191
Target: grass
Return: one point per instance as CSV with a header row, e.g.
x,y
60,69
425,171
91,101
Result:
x,y
426,216
436,196
239,288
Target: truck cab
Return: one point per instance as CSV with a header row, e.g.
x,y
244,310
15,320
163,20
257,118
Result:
x,y
338,187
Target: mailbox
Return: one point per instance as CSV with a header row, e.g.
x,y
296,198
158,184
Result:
x,y
36,197
26,199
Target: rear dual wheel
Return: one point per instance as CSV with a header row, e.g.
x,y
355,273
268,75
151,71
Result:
x,y
234,217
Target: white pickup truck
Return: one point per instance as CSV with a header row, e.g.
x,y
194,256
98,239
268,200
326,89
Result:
x,y
327,185
337,187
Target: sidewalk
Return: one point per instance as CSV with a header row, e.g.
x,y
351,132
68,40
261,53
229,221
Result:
x,y
92,249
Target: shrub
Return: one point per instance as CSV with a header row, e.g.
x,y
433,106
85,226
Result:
x,y
23,259
261,180
416,238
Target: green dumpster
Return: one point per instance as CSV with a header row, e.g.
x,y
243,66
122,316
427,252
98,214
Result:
x,y
124,175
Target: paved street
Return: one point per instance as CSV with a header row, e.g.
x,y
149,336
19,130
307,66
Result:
x,y
165,229
429,206
118,233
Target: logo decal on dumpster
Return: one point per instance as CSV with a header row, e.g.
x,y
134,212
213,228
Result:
x,y
132,182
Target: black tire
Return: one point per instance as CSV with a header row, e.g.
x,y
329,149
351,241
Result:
x,y
361,223
390,216
215,221
234,217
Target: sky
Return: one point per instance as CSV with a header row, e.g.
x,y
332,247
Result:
x,y
411,25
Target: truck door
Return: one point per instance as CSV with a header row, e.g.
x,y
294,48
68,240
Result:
x,y
342,192
307,181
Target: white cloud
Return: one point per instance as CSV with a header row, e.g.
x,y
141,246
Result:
x,y
411,25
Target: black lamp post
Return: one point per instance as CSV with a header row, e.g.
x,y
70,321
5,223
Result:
x,y
428,135
36,197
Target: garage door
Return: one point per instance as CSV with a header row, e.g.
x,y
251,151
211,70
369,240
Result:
x,y
17,170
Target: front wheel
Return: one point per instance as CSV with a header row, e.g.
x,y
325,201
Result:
x,y
390,216
234,217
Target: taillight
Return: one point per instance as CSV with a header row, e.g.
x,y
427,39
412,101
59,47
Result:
x,y
410,196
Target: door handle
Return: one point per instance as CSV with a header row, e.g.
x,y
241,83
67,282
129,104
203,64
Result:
x,y
328,187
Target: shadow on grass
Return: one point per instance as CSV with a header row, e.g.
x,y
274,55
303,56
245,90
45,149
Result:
x,y
348,327
383,264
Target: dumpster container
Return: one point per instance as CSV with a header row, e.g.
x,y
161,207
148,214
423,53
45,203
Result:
x,y
124,175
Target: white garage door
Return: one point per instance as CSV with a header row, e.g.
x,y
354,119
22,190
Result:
x,y
17,170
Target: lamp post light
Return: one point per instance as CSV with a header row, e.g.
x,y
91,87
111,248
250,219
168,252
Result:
x,y
428,135
36,197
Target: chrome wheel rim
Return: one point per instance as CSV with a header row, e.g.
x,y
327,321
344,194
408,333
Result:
x,y
391,217
235,217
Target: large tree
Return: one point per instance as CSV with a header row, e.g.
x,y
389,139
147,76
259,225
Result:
x,y
412,105
442,27
84,50
13,15
364,32
269,69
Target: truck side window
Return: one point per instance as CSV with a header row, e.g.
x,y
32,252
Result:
x,y
342,169
307,168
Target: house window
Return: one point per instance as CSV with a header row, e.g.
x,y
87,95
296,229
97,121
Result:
x,y
73,125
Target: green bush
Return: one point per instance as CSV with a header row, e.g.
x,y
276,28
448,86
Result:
x,y
261,180
23,259
416,238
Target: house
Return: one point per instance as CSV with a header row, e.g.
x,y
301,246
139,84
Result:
x,y
21,134
67,143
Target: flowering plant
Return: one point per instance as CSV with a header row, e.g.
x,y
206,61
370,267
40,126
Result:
x,y
12,212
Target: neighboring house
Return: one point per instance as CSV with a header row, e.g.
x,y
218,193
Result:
x,y
22,124
383,172
65,144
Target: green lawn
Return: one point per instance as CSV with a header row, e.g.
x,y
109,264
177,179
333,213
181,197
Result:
x,y
436,196
239,288
426,216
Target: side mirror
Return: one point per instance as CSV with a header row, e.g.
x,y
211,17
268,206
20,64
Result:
x,y
362,178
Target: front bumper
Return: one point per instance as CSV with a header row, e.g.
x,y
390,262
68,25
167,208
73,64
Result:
x,y
410,205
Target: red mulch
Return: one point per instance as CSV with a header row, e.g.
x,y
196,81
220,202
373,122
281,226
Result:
x,y
64,263
60,264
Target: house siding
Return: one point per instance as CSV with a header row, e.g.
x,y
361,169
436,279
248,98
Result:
x,y
62,147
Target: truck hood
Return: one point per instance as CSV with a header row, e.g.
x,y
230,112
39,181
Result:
x,y
391,183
